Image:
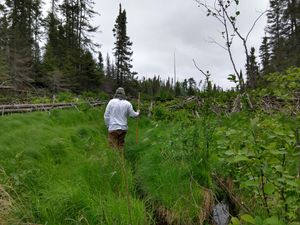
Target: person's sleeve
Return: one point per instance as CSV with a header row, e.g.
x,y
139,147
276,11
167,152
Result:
x,y
107,114
131,112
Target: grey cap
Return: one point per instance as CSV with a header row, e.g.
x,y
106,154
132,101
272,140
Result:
x,y
120,93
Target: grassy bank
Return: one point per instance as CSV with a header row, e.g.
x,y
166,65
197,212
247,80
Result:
x,y
182,158
57,169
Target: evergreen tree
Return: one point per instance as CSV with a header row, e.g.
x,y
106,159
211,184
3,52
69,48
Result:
x,y
191,87
185,87
100,74
291,18
109,69
177,89
36,29
265,56
100,64
53,59
122,50
252,70
4,70
283,29
21,42
74,42
276,30
92,78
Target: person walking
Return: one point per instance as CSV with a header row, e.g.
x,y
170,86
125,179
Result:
x,y
116,114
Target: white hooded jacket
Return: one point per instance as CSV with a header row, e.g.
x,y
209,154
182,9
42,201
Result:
x,y
116,113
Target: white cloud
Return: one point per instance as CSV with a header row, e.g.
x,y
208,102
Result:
x,y
158,27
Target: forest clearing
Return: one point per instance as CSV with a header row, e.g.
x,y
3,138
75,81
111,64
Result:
x,y
57,167
214,87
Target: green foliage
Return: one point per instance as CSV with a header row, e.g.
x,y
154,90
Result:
x,y
283,38
88,95
3,68
65,97
122,50
170,168
167,183
283,85
60,171
260,155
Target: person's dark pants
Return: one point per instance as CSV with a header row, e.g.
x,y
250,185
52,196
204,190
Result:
x,y
116,139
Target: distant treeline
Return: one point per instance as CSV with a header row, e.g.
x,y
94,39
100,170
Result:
x,y
280,48
56,51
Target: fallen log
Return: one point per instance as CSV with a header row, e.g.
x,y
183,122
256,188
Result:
x,y
24,108
21,106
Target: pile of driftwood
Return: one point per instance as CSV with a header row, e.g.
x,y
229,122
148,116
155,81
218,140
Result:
x,y
181,105
267,104
23,108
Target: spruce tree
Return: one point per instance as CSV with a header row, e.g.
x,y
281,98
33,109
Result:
x,y
252,70
21,44
108,68
264,51
276,30
69,44
283,29
122,50
4,70
54,56
291,18
36,29
100,64
192,86
177,89
284,36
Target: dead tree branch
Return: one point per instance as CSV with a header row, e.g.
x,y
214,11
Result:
x,y
220,11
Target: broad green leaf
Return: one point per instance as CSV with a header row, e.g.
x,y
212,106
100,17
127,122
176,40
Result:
x,y
248,218
232,78
270,146
229,153
254,122
276,152
239,158
230,132
250,183
272,221
279,168
259,220
292,183
235,221
279,132
269,188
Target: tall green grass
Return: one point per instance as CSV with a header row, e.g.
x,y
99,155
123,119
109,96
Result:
x,y
176,162
59,170
169,171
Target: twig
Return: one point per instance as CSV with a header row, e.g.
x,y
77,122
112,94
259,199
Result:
x,y
198,68
232,197
253,25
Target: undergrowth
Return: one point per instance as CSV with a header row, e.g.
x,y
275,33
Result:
x,y
58,169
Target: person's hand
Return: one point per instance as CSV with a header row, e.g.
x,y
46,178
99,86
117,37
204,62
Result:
x,y
138,111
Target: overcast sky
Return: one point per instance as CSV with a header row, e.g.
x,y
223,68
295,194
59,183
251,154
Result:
x,y
157,28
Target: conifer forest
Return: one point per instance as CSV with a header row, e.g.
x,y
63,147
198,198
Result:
x,y
199,153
